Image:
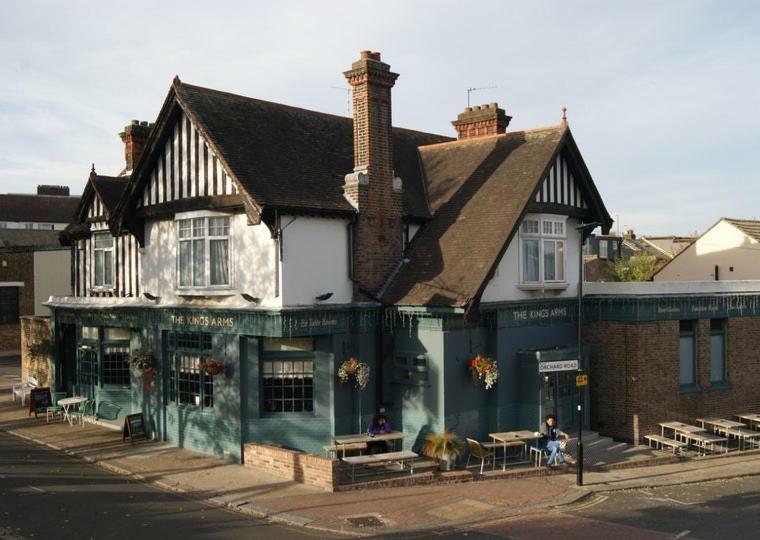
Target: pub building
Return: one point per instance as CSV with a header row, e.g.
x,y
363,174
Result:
x,y
274,243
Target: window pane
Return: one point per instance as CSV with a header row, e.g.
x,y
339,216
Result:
x,y
287,385
103,240
99,268
199,224
530,226
116,365
603,249
184,228
198,263
717,358
108,268
560,260
550,265
218,226
112,334
686,372
559,228
219,262
546,227
185,269
530,260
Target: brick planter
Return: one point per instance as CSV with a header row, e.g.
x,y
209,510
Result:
x,y
298,466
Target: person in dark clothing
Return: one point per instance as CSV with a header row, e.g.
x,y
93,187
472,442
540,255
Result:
x,y
550,440
378,426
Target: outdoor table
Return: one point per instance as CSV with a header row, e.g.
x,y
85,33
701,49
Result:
x,y
703,440
367,438
720,423
69,402
752,418
511,438
743,434
679,428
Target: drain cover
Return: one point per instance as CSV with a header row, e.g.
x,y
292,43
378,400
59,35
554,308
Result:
x,y
369,520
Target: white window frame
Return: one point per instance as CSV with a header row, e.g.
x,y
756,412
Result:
x,y
551,229
604,253
110,284
206,286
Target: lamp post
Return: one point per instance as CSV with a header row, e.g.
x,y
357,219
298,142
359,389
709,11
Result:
x,y
582,228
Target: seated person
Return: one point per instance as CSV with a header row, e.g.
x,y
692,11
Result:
x,y
550,435
378,425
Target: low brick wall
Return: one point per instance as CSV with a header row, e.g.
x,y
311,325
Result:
x,y
317,471
39,364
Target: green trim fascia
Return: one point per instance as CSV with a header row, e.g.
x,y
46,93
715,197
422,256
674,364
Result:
x,y
670,307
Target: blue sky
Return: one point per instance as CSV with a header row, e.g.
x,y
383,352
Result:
x,y
662,97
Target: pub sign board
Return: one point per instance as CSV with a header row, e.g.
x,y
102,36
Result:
x,y
134,428
558,365
39,400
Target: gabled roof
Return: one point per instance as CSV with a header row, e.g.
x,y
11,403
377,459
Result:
x,y
479,190
108,189
37,208
280,156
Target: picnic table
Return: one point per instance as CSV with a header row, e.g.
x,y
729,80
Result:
x,y
720,423
732,428
515,438
752,418
343,441
693,435
680,429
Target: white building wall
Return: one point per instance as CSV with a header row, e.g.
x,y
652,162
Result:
x,y
315,260
52,277
736,254
505,285
252,265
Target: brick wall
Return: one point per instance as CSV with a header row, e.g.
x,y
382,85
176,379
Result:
x,y
35,330
635,375
19,267
318,471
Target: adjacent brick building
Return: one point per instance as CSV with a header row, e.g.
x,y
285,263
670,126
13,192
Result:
x,y
641,337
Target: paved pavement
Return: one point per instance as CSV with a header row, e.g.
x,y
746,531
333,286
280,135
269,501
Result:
x,y
440,508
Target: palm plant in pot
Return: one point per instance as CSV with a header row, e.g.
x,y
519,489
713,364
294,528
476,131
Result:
x,y
444,447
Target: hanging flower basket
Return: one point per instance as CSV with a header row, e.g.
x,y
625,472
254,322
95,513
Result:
x,y
214,367
356,370
484,368
142,361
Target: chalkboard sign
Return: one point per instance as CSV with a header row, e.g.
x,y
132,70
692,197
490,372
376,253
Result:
x,y
39,400
134,427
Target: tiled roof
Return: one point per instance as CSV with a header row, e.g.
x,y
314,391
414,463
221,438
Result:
x,y
478,191
20,238
109,189
287,157
37,208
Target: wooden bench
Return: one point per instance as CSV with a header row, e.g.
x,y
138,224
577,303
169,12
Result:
x,y
351,447
664,441
22,390
403,457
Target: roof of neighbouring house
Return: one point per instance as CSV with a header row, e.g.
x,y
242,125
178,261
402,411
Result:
x,y
23,207
22,238
749,227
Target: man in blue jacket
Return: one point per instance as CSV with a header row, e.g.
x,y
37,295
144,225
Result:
x,y
550,435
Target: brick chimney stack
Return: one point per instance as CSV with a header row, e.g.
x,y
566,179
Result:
x,y
480,121
372,187
135,138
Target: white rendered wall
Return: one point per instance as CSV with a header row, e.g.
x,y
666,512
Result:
x,y
52,277
723,245
252,265
505,284
315,260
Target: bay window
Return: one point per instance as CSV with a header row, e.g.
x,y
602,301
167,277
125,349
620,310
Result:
x,y
203,257
542,250
103,259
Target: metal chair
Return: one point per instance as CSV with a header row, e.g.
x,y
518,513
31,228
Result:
x,y
478,451
54,409
87,410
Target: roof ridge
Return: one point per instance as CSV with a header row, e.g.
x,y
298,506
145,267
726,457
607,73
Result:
x,y
296,108
495,136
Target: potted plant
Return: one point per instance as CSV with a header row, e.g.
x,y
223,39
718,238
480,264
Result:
x,y
484,368
354,369
214,367
142,361
444,447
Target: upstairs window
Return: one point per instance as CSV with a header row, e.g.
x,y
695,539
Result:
x,y
103,259
542,250
203,258
603,254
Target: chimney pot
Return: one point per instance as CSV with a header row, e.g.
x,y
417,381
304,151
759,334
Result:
x,y
135,122
365,54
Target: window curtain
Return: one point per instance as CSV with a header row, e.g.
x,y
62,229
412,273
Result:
x,y
219,262
530,260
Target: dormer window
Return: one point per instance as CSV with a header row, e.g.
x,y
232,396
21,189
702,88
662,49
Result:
x,y
203,257
103,258
542,250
